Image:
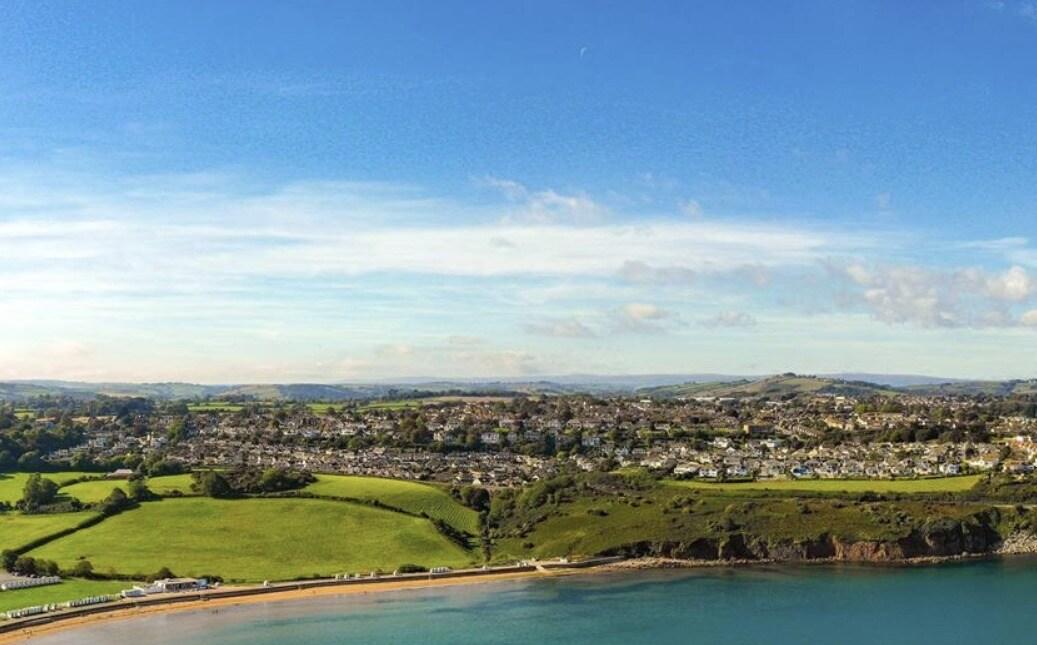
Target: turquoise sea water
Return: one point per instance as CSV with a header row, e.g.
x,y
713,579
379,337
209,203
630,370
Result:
x,y
992,602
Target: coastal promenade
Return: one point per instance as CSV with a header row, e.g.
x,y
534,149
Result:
x,y
14,630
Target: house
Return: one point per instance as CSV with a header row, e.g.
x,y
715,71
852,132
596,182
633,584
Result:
x,y
177,585
490,438
756,430
121,473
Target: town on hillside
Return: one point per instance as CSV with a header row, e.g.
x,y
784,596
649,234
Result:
x,y
507,440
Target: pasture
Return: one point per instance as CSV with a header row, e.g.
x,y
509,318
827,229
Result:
x,y
17,530
412,497
12,484
256,539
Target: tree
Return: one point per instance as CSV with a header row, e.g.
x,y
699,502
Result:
x,y
25,565
83,569
212,484
37,492
9,557
139,491
116,502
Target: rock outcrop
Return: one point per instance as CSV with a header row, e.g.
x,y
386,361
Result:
x,y
974,535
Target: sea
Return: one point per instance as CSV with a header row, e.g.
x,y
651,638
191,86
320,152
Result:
x,y
990,602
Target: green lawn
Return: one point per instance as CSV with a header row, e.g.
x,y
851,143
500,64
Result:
x,y
409,496
17,529
256,539
94,491
167,484
70,589
933,485
12,484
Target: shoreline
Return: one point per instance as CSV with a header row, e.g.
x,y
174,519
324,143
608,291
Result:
x,y
257,595
129,611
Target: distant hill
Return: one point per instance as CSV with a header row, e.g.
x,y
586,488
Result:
x,y
771,386
658,385
974,388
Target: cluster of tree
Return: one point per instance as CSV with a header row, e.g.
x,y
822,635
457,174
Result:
x,y
118,501
249,481
38,493
472,496
25,565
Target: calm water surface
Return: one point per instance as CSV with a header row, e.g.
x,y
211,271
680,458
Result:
x,y
992,602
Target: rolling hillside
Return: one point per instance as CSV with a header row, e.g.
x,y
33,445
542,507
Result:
x,y
772,386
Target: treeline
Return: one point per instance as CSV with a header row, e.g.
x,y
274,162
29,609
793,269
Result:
x,y
248,481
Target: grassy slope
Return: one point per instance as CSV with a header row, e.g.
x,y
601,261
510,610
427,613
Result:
x,y
167,484
256,539
17,530
95,491
69,589
12,484
409,496
675,514
933,485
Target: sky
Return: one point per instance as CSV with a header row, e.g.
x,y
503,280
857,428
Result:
x,y
230,192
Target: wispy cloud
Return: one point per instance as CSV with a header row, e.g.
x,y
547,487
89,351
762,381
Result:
x,y
560,328
729,319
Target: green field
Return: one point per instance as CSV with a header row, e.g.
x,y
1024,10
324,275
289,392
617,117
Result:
x,y
167,484
256,539
214,406
12,484
933,485
409,496
69,589
17,529
93,491
400,404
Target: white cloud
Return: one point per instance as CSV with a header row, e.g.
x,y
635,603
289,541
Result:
x,y
941,298
642,318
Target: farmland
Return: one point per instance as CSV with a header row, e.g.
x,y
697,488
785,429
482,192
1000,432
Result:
x,y
169,484
17,529
409,496
12,484
256,539
931,485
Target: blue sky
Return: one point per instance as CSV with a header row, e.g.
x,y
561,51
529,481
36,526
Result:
x,y
222,191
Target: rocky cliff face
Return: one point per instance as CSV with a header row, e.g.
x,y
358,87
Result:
x,y
944,538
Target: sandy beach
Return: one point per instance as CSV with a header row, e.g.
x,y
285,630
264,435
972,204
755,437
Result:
x,y
130,612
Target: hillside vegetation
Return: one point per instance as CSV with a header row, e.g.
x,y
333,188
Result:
x,y
631,514
773,387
